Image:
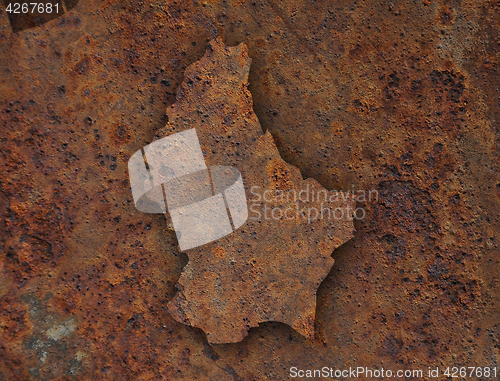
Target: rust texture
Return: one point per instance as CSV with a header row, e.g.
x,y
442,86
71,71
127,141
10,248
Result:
x,y
399,97
270,268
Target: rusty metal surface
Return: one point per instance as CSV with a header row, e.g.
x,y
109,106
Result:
x,y
398,96
270,268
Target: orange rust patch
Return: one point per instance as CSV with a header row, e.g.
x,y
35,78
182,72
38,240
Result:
x,y
305,326
219,252
279,174
323,246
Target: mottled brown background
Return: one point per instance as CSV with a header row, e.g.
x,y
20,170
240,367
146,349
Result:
x,y
400,96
